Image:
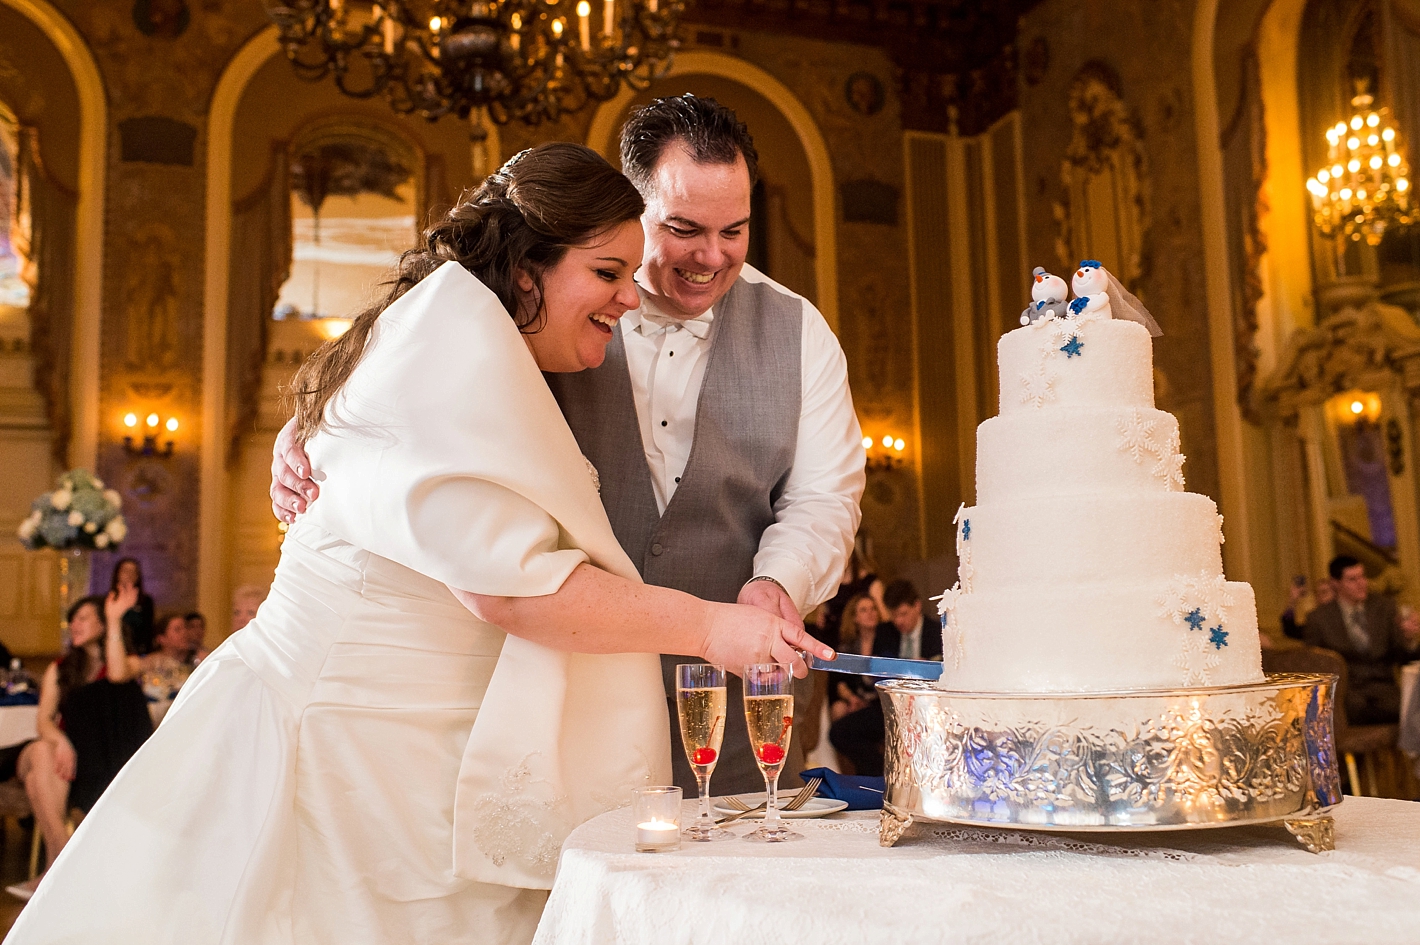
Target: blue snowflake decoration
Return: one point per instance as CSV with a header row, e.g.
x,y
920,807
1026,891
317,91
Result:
x,y
1078,305
966,529
1072,347
1194,619
1218,637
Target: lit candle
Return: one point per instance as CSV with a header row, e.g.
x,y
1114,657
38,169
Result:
x,y
516,22
609,18
651,5
656,813
387,28
584,24
657,833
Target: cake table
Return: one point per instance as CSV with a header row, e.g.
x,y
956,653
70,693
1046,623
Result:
x,y
948,884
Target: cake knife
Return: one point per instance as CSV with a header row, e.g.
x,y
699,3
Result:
x,y
884,666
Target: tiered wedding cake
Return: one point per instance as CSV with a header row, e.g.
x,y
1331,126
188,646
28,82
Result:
x,y
1084,565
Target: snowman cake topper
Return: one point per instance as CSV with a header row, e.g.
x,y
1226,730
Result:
x,y
1048,296
1097,293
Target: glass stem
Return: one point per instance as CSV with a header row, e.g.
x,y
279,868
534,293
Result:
x,y
771,802
702,781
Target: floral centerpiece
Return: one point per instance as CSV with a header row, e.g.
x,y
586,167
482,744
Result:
x,y
79,513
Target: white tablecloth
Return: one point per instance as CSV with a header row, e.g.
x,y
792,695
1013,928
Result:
x,y
17,724
944,884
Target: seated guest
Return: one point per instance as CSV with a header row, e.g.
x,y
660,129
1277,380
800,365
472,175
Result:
x,y
1366,630
138,622
1300,604
92,718
909,634
196,637
245,600
171,658
856,731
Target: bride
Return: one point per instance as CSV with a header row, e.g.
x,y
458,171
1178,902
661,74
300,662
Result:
x,y
455,663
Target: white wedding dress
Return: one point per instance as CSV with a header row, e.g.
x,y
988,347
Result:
x,y
367,762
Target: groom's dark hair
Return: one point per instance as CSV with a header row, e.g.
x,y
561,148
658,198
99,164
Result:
x,y
712,133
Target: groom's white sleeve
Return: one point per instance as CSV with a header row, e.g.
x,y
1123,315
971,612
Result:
x,y
816,517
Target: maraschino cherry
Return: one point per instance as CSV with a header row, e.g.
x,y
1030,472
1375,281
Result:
x,y
704,756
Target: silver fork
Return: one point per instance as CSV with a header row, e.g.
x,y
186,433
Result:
x,y
794,803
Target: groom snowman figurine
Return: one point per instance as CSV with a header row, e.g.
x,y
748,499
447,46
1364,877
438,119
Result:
x,y
720,424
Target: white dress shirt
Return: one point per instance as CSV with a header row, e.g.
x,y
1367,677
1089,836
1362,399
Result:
x,y
816,517
910,646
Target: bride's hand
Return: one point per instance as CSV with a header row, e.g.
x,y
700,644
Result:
x,y
739,635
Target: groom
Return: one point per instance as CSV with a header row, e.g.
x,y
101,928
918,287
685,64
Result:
x,y
720,424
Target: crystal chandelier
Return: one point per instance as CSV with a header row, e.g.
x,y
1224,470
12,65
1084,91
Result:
x,y
1365,187
533,60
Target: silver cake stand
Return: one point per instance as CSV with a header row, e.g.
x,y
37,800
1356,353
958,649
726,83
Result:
x,y
1148,760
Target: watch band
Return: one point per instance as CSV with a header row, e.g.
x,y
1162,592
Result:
x,y
765,577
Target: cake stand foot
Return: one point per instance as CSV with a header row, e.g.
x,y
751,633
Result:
x,y
892,826
1317,834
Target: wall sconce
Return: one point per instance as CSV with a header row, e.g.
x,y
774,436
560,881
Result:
x,y
152,427
884,454
1353,407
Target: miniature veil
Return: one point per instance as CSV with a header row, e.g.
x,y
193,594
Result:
x,y
1124,304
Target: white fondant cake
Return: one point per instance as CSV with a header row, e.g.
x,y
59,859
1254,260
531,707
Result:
x,y
1085,566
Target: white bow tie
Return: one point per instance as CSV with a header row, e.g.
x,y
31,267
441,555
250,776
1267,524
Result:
x,y
698,326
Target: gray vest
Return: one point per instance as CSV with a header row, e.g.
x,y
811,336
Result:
x,y
746,430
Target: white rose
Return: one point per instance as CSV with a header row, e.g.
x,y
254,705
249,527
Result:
x,y
76,518
27,529
112,497
61,498
91,527
67,483
98,483
101,541
116,530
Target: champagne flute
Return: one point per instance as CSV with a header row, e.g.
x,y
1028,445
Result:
x,y
700,703
769,713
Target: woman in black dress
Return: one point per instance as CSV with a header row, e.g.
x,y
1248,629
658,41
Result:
x,y
138,621
92,718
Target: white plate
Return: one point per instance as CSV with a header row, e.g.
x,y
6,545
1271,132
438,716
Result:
x,y
815,807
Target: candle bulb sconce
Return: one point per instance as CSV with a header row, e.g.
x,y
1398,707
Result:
x,y
144,434
884,454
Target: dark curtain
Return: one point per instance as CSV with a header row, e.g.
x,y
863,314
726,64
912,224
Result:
x,y
43,235
260,264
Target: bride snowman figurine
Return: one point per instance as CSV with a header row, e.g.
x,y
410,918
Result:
x,y
1097,293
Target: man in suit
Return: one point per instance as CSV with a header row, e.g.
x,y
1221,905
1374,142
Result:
x,y
720,424
1366,630
909,635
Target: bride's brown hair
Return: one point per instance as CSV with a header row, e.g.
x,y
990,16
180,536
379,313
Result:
x,y
524,216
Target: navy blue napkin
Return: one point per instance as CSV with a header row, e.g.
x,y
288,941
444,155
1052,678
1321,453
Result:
x,y
19,698
861,792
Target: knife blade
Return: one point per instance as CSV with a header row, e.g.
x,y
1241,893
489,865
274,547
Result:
x,y
883,666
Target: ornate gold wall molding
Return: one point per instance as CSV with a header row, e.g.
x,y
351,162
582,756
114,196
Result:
x,y
1367,347
1103,211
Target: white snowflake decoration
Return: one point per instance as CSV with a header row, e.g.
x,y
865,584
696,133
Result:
x,y
947,607
1136,435
1169,468
1038,386
1204,592
1197,659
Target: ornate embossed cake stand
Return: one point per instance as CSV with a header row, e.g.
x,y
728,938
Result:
x,y
1144,760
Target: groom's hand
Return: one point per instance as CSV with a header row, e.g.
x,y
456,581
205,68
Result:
x,y
769,596
291,487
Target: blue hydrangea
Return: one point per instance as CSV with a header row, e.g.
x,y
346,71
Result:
x,y
1078,305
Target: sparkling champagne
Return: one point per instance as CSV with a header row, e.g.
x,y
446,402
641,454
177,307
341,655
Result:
x,y
771,721
702,726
